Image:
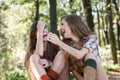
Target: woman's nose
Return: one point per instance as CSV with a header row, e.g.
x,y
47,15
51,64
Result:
x,y
45,31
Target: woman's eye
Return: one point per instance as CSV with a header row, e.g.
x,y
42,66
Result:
x,y
61,23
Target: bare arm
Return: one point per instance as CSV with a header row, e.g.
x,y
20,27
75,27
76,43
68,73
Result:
x,y
39,43
35,67
79,54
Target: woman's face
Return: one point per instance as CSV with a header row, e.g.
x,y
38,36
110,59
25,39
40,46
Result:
x,y
65,29
45,34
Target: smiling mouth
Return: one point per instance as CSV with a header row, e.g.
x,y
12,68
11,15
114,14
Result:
x,y
45,35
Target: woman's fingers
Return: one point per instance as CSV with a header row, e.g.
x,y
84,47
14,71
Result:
x,y
49,36
44,63
41,24
53,38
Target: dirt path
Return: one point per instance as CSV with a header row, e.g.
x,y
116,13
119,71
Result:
x,y
114,74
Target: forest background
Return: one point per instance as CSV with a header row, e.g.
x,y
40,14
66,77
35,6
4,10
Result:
x,y
16,16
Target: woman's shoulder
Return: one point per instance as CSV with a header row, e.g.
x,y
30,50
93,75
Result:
x,y
90,39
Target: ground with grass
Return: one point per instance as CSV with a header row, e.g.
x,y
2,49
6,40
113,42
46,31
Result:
x,y
113,70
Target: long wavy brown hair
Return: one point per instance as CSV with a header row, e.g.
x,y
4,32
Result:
x,y
77,25
52,49
81,30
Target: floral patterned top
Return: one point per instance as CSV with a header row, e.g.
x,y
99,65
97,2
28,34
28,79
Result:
x,y
89,42
92,45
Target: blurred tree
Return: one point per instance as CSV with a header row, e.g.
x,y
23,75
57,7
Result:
x,y
4,56
116,3
111,33
72,10
13,30
98,22
16,16
37,10
53,17
105,28
88,13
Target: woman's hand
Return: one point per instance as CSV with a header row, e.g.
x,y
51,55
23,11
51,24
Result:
x,y
44,63
40,26
53,38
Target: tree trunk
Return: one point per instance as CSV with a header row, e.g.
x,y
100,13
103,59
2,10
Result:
x,y
118,33
88,13
106,30
53,17
118,25
37,10
98,19
111,33
72,11
105,36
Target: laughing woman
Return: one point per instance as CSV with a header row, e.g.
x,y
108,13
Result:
x,y
42,60
81,46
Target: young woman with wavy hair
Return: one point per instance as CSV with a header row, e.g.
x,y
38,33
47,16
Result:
x,y
43,59
81,46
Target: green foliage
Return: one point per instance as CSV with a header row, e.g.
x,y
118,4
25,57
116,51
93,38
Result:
x,y
109,67
14,74
3,5
106,59
14,24
16,16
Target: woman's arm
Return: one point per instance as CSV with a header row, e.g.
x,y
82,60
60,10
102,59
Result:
x,y
39,43
36,69
79,54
